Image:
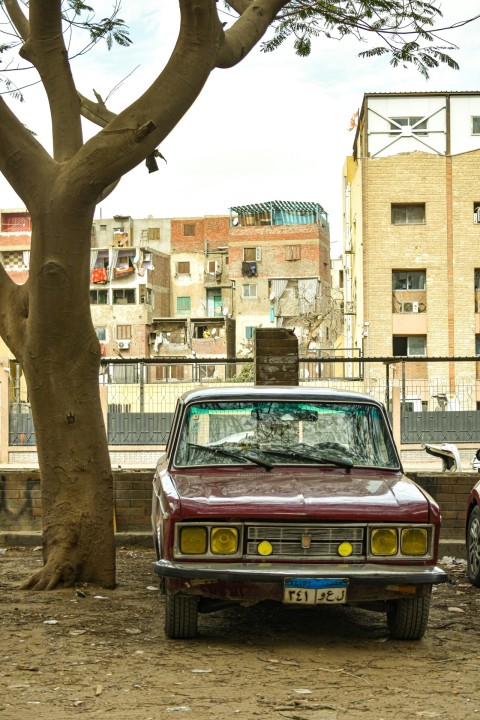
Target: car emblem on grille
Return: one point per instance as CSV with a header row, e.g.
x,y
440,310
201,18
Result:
x,y
306,541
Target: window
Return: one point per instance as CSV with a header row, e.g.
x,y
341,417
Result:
x,y
98,297
477,280
416,125
101,333
249,332
189,229
124,297
183,268
477,345
476,212
124,332
16,222
249,291
252,254
184,304
411,214
153,233
409,346
476,125
292,252
146,295
408,279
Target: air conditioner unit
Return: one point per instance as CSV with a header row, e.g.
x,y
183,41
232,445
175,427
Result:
x,y
409,307
476,215
124,344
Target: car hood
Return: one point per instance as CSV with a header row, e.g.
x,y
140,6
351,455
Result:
x,y
362,495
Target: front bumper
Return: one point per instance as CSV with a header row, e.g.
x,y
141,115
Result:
x,y
364,574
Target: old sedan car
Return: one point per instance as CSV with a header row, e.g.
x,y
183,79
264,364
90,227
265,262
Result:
x,y
473,535
294,495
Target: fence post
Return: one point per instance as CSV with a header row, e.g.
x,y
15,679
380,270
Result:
x,y
4,413
104,404
396,415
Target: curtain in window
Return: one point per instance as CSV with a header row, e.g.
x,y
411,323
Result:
x,y
93,259
278,288
113,262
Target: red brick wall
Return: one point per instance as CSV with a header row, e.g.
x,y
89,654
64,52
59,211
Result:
x,y
210,233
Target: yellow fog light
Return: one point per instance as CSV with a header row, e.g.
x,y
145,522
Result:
x,y
224,541
265,548
345,549
384,541
193,540
414,541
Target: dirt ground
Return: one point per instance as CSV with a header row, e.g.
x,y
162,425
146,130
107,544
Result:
x,y
90,653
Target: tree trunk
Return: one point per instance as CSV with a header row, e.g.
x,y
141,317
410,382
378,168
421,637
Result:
x,y
60,358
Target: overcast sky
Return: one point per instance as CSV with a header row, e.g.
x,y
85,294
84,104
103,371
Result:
x,y
273,128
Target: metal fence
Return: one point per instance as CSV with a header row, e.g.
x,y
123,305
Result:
x,y
141,395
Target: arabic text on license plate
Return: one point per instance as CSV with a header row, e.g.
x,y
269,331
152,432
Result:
x,y
315,591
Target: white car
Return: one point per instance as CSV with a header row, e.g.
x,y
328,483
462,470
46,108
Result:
x,y
476,461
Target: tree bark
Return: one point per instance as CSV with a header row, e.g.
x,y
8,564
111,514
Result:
x,y
60,357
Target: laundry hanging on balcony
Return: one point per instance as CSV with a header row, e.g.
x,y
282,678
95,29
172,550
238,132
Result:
x,y
98,275
122,271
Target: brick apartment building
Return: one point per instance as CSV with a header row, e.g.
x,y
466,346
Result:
x,y
412,233
262,265
191,287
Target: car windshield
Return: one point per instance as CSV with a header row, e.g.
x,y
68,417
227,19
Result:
x,y
270,432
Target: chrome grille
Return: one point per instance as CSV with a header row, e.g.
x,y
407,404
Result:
x,y
324,540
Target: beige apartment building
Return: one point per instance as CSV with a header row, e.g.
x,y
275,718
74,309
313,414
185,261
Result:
x,y
412,240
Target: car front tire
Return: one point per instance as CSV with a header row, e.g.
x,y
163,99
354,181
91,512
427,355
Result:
x,y
473,547
408,618
181,613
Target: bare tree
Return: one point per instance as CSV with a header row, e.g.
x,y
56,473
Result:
x,y
46,322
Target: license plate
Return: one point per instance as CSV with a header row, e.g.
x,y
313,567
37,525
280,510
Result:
x,y
315,591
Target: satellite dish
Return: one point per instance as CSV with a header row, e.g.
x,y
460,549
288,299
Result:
x,y
225,312
214,331
235,221
272,296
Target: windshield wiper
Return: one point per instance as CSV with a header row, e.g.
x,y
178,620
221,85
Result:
x,y
230,454
346,463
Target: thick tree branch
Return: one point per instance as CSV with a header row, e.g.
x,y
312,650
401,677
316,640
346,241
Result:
x,y
245,33
139,129
240,5
23,161
45,49
97,113
16,15
13,313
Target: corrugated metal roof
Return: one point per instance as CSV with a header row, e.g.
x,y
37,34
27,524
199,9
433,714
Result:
x,y
288,205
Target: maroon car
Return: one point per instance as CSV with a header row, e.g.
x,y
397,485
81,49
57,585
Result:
x,y
295,495
473,533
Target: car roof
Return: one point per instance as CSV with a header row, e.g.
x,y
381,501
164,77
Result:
x,y
277,392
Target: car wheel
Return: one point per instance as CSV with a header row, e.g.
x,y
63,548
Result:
x,y
180,616
408,618
473,547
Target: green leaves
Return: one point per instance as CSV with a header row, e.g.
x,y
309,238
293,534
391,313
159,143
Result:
x,y
407,29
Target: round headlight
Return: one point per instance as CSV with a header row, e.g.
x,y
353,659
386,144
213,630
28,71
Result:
x,y
224,540
265,548
345,549
384,541
414,541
